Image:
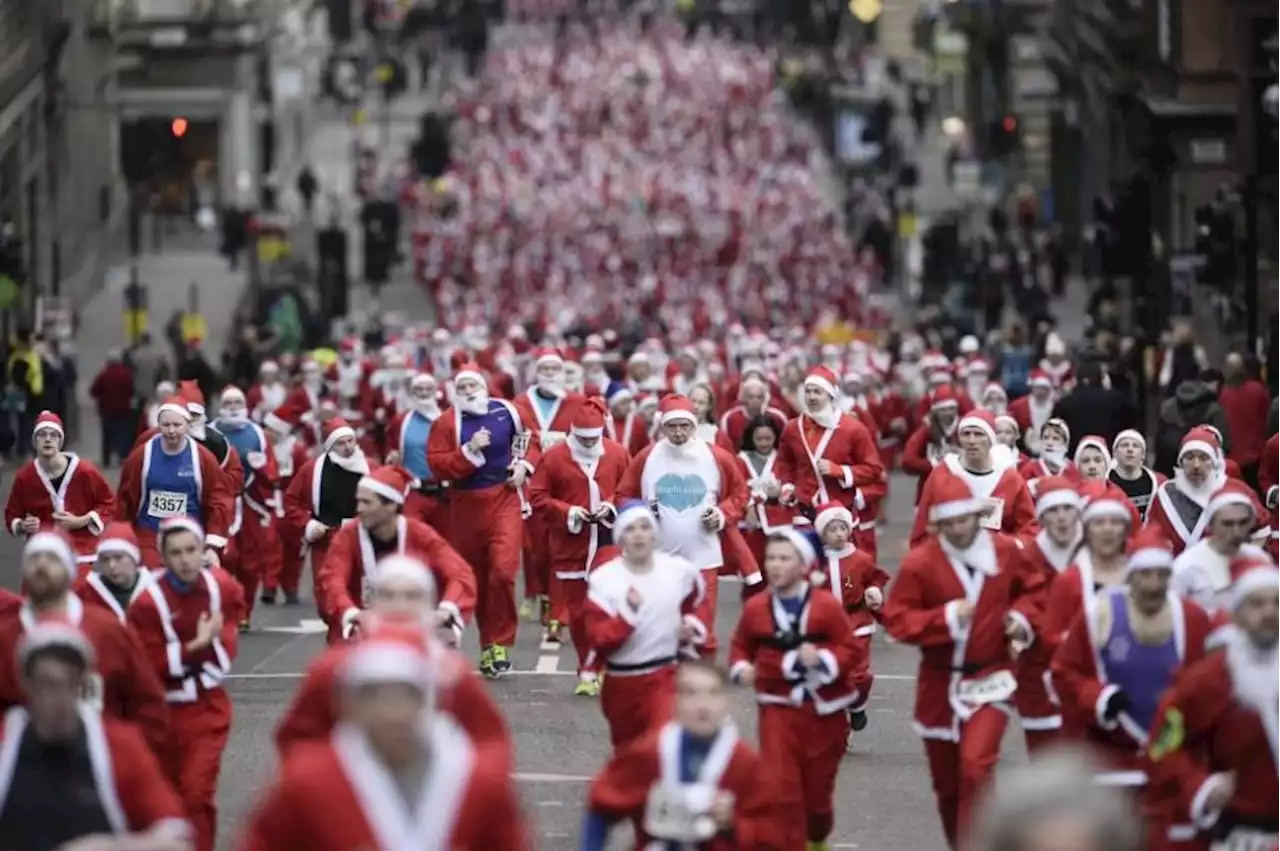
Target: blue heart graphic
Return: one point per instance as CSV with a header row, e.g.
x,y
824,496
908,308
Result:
x,y
680,493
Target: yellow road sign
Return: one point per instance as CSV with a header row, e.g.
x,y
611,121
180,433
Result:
x,y
135,325
866,11
906,225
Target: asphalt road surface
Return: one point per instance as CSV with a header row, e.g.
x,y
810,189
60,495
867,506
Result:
x,y
884,801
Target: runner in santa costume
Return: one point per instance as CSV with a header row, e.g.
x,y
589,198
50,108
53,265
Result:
x,y
1007,435
826,455
1092,459
1129,470
149,417
550,409
407,446
1112,668
765,511
858,582
171,475
699,494
348,382
644,609
291,455
1214,746
403,595
199,431
120,788
187,624
703,400
310,391
268,394
1052,459
794,646
255,542
753,401
487,452
933,440
970,599
118,577
1178,509
1034,410
1050,550
1202,571
345,579
575,487
121,685
987,470
59,490
395,773
695,783
1269,466
625,426
322,495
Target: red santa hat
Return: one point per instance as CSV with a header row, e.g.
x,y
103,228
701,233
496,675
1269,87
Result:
x,y
638,356
1201,439
1129,434
1058,423
983,421
400,566
676,408
1150,550
588,420
190,391
348,345
469,371
1098,443
392,654
954,499
832,512
1104,499
980,365
51,421
803,543
1054,491
1007,419
51,634
228,393
944,397
824,379
335,430
620,394
1260,574
284,419
422,379
390,483
51,542
1040,378
629,514
170,525
1233,492
119,539
547,356
268,365
174,405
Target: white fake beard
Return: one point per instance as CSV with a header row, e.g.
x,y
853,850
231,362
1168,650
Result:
x,y
681,450
357,463
553,387
585,454
1253,680
429,408
827,417
477,404
1056,457
274,394
196,430
1202,494
997,407
598,378
239,418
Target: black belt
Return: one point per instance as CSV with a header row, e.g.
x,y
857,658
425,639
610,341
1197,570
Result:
x,y
433,488
1230,820
623,668
790,641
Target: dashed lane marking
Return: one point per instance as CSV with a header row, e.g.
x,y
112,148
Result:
x,y
536,672
548,665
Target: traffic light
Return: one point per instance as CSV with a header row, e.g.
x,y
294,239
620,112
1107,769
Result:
x,y
1004,135
392,77
178,127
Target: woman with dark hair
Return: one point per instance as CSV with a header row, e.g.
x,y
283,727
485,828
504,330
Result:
x,y
704,408
764,512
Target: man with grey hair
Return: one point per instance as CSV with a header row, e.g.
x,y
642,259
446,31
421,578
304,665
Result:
x,y
1053,804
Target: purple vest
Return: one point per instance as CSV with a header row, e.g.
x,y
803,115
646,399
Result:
x,y
497,457
1141,671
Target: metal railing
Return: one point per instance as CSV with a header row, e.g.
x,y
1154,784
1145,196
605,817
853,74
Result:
x,y
168,13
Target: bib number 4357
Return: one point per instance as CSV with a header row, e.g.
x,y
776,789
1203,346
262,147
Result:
x,y
165,504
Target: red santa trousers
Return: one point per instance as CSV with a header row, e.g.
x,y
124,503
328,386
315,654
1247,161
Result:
x,y
534,556
431,510
198,735
961,770
803,751
147,547
485,527
863,679
865,540
285,571
254,556
711,579
568,606
635,705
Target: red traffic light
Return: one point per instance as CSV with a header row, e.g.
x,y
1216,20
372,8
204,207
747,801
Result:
x,y
1009,124
179,127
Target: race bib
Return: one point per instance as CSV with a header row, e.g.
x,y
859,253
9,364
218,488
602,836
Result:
x,y
994,518
671,815
166,504
1247,840
996,688
552,438
94,693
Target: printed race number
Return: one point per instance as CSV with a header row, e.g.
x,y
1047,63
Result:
x,y
166,504
996,688
994,517
669,816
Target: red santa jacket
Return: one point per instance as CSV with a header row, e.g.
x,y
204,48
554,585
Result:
x,y
166,620
922,453
629,431
1083,687
291,454
848,446
122,684
1030,417
1034,469
1012,509
1038,705
1183,520
83,490
562,483
95,594
459,693
336,795
217,497
131,787
1269,466
892,411
1202,728
262,400
764,639
849,573
447,458
621,790
956,659
735,420
351,562
554,427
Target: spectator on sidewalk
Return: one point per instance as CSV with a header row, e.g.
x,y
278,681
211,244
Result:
x,y
1246,404
1181,360
1093,407
1013,357
1194,402
112,391
194,367
149,367
308,186
25,378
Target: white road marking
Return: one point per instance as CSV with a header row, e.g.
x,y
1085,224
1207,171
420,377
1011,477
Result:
x,y
550,646
536,672
548,665
533,777
304,627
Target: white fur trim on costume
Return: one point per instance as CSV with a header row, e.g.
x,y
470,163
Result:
x,y
958,633
678,416
385,491
1198,446
1055,498
737,668
95,523
576,519
215,541
1150,558
1129,434
338,434
808,555
1100,708
174,409
629,516
1041,381
830,669
823,385
313,530
1106,508
549,358
115,546
699,629
791,667
587,432
846,476
1253,579
50,427
276,424
15,528
1199,811
830,515
954,509
376,662
52,544
451,609
719,517
1021,620
978,423
471,374
1225,500
753,578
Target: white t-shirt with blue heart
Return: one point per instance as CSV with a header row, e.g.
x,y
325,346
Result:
x,y
684,482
